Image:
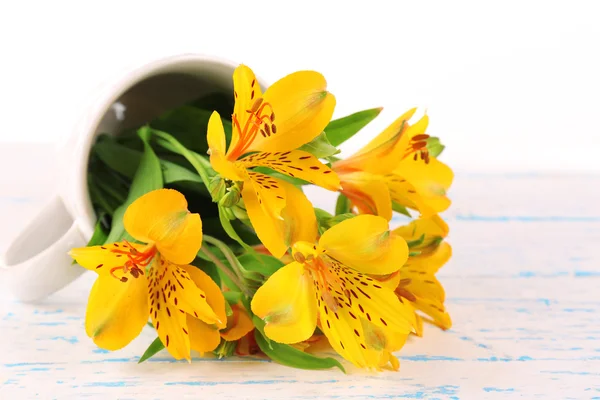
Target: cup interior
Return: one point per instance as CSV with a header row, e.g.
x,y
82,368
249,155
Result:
x,y
137,99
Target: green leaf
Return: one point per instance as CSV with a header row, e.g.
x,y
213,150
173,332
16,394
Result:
x,y
342,205
400,209
292,357
154,348
200,164
125,161
261,263
189,125
320,147
148,177
434,146
416,242
99,236
342,129
226,223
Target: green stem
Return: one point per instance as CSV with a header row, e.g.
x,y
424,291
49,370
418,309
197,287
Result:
x,y
225,270
193,158
227,253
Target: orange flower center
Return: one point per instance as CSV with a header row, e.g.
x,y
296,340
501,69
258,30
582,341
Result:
x,y
261,120
418,146
136,262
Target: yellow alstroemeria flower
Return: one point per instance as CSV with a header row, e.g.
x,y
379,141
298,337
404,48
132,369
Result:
x,y
418,284
396,166
205,337
267,131
329,282
138,281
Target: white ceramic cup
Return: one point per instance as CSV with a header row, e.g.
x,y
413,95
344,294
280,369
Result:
x,y
36,263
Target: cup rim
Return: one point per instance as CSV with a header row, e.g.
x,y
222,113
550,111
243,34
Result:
x,y
79,145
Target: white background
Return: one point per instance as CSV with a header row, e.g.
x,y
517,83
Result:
x,y
507,85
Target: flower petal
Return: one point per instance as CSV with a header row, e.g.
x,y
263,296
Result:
x,y
369,299
216,134
269,192
300,221
296,163
384,153
172,284
116,311
238,325
368,193
431,229
102,259
302,108
168,318
422,186
286,302
246,91
203,337
364,243
214,296
269,229
162,217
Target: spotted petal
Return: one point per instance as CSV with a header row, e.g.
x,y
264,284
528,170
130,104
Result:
x,y
302,108
238,325
296,163
246,92
101,259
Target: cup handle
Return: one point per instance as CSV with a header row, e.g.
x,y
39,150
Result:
x,y
36,263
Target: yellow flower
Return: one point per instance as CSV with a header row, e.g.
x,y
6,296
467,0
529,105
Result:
x,y
329,282
418,284
396,166
136,281
267,131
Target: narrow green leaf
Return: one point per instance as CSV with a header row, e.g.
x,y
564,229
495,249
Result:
x,y
200,164
226,223
261,263
292,357
342,129
154,348
125,161
400,209
320,147
434,146
188,124
148,177
99,236
342,205
416,242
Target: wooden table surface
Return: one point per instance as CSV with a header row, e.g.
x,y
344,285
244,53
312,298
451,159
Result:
x,y
523,289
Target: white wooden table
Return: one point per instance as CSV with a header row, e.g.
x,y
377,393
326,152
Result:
x,y
523,289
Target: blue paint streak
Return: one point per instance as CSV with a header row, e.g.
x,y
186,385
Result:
x,y
25,364
49,323
110,384
40,369
493,389
569,372
71,339
8,316
252,382
423,357
59,311
100,351
582,274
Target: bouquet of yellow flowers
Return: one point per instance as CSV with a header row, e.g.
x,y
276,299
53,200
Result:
x,y
224,253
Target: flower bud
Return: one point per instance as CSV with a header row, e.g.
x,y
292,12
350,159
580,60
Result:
x,y
217,188
231,198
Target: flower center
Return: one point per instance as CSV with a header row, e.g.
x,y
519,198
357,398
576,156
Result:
x,y
261,120
418,146
136,263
